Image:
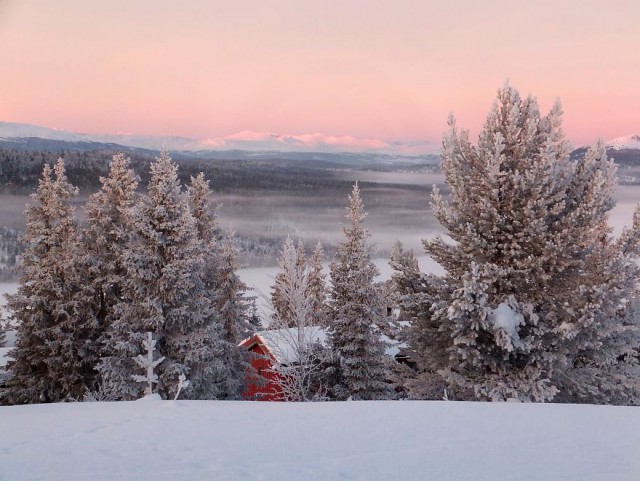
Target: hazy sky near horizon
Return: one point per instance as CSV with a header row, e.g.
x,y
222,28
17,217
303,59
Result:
x,y
390,70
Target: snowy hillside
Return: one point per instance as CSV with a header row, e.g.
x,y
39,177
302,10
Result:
x,y
369,441
631,142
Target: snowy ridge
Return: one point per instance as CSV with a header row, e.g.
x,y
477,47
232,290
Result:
x,y
631,142
13,130
245,140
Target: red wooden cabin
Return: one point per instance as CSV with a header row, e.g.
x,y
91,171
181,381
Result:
x,y
261,384
271,348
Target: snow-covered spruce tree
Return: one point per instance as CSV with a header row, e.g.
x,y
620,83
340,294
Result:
x,y
54,356
403,257
317,287
535,295
295,337
230,376
355,308
232,304
105,238
205,216
390,292
282,314
301,254
400,260
164,294
415,294
3,332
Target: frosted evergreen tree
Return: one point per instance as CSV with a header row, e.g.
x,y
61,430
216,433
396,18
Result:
x,y
389,293
301,254
147,363
105,238
402,257
54,356
282,310
164,294
317,287
3,332
295,337
406,262
206,217
291,279
416,294
232,304
536,291
217,273
355,309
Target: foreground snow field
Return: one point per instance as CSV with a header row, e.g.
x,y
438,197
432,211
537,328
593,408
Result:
x,y
211,440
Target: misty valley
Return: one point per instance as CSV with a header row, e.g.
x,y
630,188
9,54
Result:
x,y
262,201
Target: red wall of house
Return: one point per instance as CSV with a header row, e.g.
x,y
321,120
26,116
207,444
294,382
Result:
x,y
262,388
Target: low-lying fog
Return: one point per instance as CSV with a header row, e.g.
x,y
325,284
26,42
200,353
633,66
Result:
x,y
398,206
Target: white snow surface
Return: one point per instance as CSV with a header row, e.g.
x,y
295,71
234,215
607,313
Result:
x,y
630,142
369,441
506,318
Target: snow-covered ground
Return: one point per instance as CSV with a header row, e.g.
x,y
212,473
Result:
x,y
211,440
165,440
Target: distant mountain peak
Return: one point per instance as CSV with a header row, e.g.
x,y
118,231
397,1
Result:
x,y
630,142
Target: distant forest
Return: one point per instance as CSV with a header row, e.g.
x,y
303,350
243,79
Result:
x,y
20,171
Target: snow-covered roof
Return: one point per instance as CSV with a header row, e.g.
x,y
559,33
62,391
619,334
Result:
x,y
283,343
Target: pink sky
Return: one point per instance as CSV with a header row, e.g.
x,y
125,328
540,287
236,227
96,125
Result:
x,y
389,70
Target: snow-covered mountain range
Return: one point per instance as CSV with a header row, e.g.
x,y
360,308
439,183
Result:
x,y
243,141
255,145
625,151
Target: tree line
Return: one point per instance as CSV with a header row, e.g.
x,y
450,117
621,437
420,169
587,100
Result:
x,y
21,169
88,295
539,301
144,295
